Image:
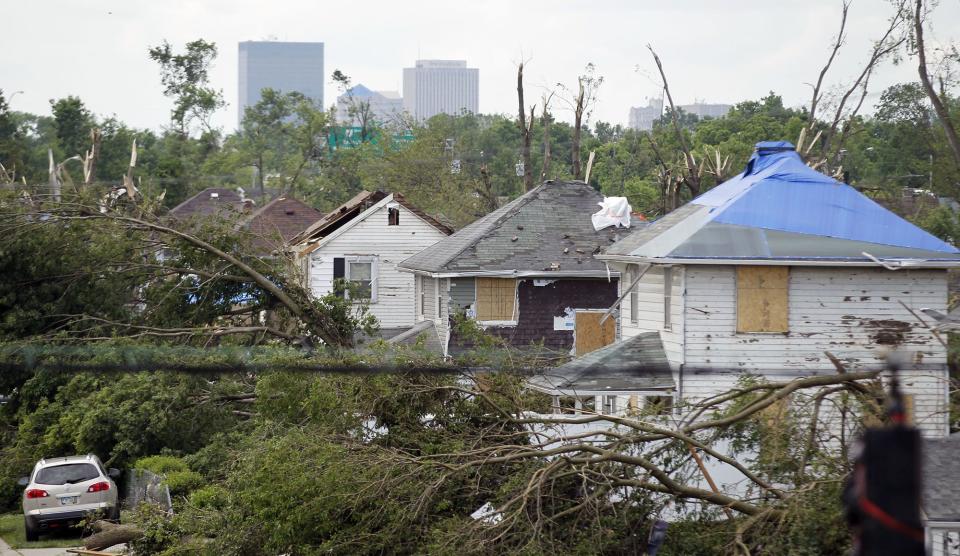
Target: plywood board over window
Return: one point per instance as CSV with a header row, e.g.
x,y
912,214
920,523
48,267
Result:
x,y
590,334
496,299
762,298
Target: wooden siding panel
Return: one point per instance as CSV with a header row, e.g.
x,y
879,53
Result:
x,y
396,305
854,313
650,311
590,334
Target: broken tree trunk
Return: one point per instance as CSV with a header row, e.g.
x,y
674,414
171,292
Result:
x,y
111,534
525,133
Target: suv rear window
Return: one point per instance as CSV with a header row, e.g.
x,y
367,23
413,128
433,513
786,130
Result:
x,y
65,474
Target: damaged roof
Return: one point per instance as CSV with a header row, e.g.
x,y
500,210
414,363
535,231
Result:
x,y
941,489
781,209
340,215
634,365
360,202
548,229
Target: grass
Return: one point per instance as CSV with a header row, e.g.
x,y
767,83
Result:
x,y
11,530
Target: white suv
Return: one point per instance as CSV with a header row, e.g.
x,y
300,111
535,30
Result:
x,y
62,491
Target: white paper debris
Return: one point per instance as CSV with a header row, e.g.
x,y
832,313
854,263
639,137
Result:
x,y
566,321
614,211
487,514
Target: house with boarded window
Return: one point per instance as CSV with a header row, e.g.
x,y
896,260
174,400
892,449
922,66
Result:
x,y
772,270
362,241
526,272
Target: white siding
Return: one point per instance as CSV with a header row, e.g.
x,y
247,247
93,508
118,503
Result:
x,y
843,311
395,305
650,308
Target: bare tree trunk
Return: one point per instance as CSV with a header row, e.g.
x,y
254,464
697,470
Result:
x,y
259,170
881,49
578,109
545,121
90,160
815,101
935,100
488,200
525,132
692,178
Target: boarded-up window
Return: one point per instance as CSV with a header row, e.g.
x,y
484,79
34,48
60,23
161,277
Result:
x,y
590,334
762,298
496,299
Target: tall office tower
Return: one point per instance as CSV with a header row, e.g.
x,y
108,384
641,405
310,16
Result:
x,y
285,66
434,87
643,117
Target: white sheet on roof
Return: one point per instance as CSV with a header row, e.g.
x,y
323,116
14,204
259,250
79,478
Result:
x,y
614,211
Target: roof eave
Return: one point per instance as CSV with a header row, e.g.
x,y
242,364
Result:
x,y
546,274
920,263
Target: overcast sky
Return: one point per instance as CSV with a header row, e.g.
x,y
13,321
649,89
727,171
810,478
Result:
x,y
713,51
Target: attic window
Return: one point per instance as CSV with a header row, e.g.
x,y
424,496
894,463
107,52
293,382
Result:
x,y
393,216
762,303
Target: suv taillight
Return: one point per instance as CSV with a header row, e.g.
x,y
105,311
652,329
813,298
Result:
x,y
36,493
99,487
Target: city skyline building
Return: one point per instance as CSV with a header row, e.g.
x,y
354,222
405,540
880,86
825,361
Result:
x,y
434,87
642,118
383,106
284,66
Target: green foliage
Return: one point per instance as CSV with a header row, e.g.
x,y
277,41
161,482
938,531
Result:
x,y
182,483
73,123
162,465
210,497
185,78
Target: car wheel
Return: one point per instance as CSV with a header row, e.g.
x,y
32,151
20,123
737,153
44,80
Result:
x,y
30,532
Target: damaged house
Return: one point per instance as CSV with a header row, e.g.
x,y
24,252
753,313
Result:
x,y
525,272
362,241
768,272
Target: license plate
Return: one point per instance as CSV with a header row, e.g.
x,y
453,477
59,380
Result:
x,y
68,500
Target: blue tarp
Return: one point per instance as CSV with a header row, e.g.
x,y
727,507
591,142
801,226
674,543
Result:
x,y
778,191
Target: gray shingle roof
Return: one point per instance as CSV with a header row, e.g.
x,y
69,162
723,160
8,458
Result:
x,y
941,478
528,234
636,364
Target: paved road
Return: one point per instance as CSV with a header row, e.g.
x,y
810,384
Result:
x,y
5,550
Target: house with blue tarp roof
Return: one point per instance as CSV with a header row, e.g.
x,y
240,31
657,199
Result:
x,y
769,272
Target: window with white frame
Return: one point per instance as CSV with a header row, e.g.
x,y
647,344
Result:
x,y
609,405
361,273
